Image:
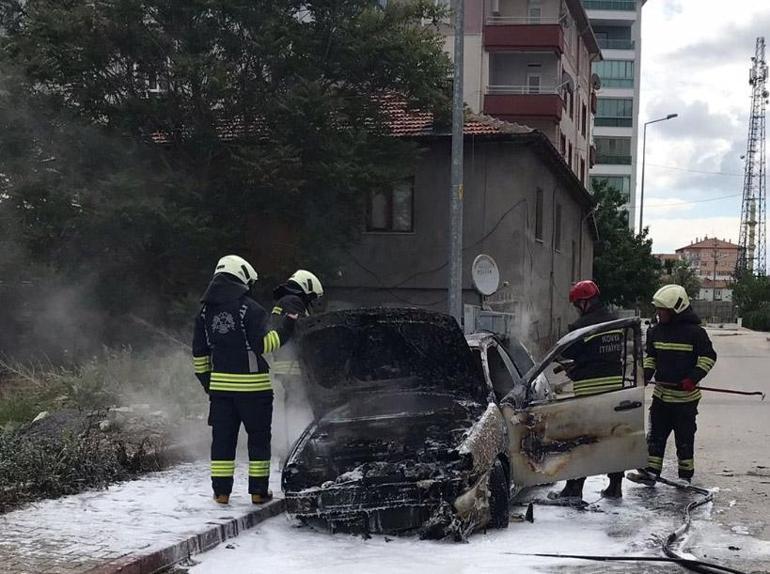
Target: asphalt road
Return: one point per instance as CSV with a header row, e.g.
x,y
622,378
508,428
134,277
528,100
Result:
x,y
732,445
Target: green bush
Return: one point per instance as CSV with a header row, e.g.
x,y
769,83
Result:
x,y
758,319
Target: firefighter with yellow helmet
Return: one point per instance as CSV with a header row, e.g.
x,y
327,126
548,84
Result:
x,y
230,341
679,354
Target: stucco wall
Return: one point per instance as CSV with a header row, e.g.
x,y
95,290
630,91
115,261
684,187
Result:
x,y
501,183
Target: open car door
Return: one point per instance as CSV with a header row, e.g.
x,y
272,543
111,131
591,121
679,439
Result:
x,y
567,436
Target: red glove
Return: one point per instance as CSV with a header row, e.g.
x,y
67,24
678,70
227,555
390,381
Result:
x,y
687,385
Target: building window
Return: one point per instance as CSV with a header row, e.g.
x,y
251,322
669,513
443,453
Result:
x,y
620,182
615,151
392,209
563,145
569,155
557,227
615,112
584,121
534,11
582,171
614,37
539,215
573,273
615,73
533,83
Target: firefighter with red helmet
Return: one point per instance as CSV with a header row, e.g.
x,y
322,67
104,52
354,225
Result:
x,y
597,366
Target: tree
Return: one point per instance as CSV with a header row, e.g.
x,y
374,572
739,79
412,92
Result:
x,y
624,267
175,131
682,273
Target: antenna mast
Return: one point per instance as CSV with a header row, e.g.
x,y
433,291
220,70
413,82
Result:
x,y
753,256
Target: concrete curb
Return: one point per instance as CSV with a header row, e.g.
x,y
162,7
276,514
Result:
x,y
164,558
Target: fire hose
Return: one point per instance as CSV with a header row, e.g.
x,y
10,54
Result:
x,y
672,557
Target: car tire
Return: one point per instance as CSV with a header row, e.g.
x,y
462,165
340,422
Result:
x,y
499,497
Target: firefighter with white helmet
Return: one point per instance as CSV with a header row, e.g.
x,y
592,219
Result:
x,y
230,340
679,354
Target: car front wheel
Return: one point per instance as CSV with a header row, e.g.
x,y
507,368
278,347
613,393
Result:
x,y
499,497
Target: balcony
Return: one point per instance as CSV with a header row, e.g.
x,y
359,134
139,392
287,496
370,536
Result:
x,y
523,35
610,44
610,159
621,5
609,122
516,103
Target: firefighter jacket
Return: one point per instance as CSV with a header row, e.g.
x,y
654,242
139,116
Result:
x,y
677,351
598,358
231,338
288,301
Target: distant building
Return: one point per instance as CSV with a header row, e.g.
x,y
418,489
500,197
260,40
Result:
x,y
713,261
617,25
529,62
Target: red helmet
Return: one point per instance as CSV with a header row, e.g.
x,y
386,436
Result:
x,y
583,290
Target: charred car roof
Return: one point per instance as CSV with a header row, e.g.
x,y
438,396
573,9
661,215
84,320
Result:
x,y
363,351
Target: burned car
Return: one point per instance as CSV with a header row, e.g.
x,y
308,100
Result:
x,y
418,428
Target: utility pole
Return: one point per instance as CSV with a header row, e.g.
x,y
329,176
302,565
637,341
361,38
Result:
x,y
644,157
456,189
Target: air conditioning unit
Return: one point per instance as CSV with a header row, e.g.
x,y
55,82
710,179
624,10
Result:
x,y
495,7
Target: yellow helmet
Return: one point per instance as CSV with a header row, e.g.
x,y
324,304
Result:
x,y
672,297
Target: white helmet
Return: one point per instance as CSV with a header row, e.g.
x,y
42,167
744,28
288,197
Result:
x,y
238,267
672,297
308,282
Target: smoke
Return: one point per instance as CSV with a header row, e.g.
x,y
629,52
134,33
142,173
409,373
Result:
x,y
292,412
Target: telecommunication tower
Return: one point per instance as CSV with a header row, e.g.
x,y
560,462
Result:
x,y
753,257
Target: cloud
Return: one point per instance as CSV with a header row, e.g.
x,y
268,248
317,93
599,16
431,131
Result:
x,y
658,206
670,234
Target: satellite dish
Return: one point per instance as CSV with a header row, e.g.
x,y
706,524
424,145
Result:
x,y
486,275
596,82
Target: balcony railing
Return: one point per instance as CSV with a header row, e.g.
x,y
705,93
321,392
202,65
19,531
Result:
x,y
608,44
625,5
523,36
521,90
613,159
616,82
613,122
509,20
515,102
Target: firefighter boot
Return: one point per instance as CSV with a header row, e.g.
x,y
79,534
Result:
x,y
573,489
615,489
261,498
222,498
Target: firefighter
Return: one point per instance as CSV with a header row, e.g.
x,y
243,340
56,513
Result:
x,y
298,295
597,366
679,354
229,343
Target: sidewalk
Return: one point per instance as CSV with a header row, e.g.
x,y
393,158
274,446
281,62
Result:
x,y
135,527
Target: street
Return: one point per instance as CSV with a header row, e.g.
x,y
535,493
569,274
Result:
x,y
731,457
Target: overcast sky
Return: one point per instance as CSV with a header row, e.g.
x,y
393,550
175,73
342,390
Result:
x,y
695,62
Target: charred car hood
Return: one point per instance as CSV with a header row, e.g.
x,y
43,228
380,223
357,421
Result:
x,y
363,352
382,439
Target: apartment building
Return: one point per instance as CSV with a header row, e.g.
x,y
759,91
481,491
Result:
x,y
713,260
617,26
529,62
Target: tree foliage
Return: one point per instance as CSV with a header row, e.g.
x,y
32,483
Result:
x,y
624,267
682,273
751,294
148,136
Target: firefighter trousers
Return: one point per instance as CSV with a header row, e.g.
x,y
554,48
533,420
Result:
x,y
679,418
226,413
